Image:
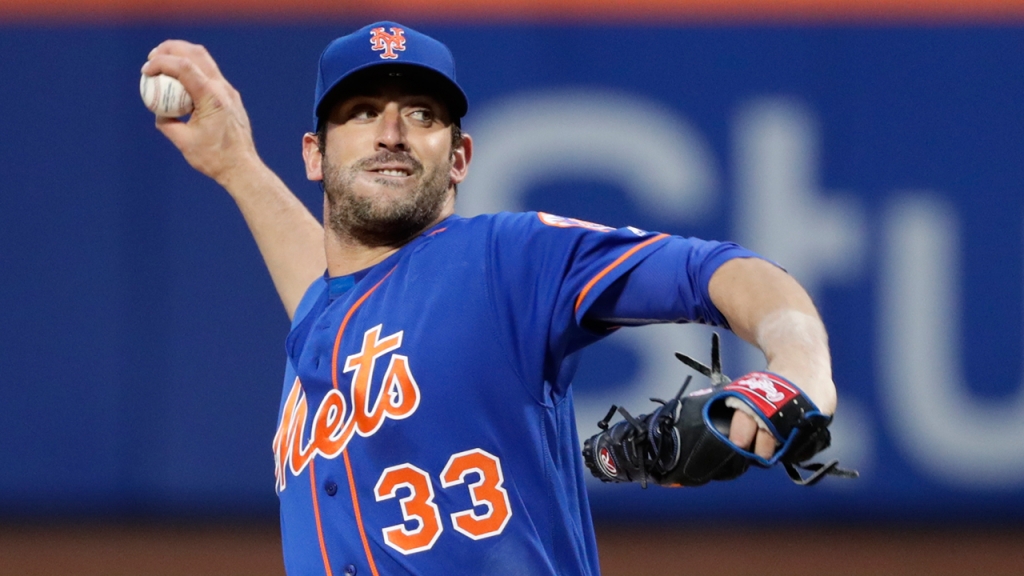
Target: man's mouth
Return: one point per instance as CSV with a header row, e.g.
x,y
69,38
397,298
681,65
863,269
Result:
x,y
393,171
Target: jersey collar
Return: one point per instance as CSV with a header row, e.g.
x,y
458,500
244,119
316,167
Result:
x,y
340,285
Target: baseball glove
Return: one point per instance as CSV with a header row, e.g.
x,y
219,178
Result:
x,y
685,441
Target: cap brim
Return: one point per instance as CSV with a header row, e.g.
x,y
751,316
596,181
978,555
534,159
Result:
x,y
447,91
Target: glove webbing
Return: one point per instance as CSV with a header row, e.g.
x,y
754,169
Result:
x,y
634,440
647,436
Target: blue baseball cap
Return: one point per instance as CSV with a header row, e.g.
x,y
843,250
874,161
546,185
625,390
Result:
x,y
387,44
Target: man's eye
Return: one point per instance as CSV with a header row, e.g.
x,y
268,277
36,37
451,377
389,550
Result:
x,y
362,114
423,115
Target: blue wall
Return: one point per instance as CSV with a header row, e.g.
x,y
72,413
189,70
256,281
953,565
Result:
x,y
141,339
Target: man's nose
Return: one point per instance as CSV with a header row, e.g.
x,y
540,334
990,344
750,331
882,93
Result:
x,y
392,132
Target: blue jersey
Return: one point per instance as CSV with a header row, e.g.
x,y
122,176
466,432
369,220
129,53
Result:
x,y
426,423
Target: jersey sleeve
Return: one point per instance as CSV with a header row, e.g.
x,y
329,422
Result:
x,y
670,285
549,272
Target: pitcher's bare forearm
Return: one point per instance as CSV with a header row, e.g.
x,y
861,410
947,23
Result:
x,y
768,308
217,141
290,239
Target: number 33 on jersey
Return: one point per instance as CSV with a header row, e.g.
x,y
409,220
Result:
x,y
419,505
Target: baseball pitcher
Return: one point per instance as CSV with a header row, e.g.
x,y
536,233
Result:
x,y
426,422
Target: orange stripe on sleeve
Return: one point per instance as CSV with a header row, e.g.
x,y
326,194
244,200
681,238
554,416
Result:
x,y
612,266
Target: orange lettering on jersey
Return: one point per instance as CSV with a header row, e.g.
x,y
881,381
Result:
x,y
333,424
293,415
330,431
299,456
402,390
369,419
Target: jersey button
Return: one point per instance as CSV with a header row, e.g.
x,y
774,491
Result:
x,y
331,488
350,570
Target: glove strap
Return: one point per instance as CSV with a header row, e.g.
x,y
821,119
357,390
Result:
x,y
779,404
776,399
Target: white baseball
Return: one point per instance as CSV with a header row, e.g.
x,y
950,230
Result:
x,y
165,96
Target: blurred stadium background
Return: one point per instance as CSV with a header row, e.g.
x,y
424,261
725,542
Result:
x,y
873,148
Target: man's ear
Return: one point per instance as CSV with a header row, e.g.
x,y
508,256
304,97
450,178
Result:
x,y
312,157
461,157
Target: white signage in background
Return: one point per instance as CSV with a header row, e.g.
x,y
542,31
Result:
x,y
638,144
953,436
781,211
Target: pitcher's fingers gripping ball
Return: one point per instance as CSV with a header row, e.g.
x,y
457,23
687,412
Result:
x,y
685,442
165,96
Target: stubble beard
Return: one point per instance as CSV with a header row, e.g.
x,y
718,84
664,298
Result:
x,y
378,222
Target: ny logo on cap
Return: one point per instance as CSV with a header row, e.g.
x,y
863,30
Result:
x,y
381,40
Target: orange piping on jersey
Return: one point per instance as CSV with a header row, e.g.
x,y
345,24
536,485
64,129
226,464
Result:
x,y
348,465
316,514
344,323
359,517
610,267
